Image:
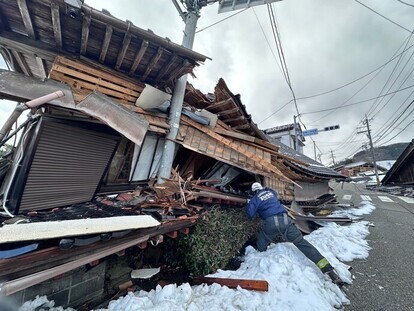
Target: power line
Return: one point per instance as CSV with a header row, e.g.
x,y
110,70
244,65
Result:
x,y
398,133
276,111
356,80
377,103
278,42
222,20
360,102
268,43
406,3
384,16
382,135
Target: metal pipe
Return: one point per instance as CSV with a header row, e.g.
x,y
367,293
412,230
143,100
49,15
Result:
x,y
177,99
10,121
22,107
44,99
16,285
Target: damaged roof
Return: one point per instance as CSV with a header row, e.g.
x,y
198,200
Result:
x,y
402,172
312,168
34,32
227,106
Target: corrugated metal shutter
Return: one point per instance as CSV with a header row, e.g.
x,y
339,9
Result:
x,y
67,166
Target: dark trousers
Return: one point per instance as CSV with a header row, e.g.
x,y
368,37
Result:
x,y
281,226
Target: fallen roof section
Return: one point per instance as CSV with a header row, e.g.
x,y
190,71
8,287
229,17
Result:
x,y
227,106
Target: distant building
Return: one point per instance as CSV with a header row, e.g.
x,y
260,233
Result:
x,y
286,135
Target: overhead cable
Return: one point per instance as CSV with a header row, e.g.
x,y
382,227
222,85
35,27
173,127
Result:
x,y
383,16
356,80
222,20
359,102
406,3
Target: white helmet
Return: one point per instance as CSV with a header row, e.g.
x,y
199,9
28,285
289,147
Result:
x,y
256,186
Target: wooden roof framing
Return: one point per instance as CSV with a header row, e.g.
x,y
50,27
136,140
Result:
x,y
34,32
226,106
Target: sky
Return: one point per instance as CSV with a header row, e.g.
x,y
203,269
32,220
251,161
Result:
x,y
295,283
327,45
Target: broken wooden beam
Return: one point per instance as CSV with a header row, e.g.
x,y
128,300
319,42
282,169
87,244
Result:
x,y
259,285
222,196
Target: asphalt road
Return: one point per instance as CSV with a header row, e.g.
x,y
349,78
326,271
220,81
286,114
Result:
x,y
385,280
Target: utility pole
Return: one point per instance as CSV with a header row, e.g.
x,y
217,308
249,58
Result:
x,y
314,149
295,125
366,122
190,18
333,158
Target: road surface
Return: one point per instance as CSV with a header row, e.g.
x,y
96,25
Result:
x,y
385,280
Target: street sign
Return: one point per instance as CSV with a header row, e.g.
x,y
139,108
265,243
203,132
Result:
x,y
231,5
310,132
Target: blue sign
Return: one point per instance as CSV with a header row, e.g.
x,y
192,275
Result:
x,y
310,132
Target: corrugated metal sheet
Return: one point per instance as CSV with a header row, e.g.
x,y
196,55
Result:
x,y
68,164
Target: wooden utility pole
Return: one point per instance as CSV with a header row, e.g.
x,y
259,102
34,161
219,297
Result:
x,y
333,157
372,149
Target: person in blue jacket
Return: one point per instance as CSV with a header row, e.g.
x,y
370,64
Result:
x,y
276,223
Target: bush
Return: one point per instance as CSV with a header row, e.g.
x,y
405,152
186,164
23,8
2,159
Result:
x,y
218,235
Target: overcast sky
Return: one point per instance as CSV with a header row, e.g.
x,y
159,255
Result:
x,y
326,43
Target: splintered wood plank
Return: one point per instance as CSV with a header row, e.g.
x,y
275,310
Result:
x,y
156,129
258,285
174,73
105,44
57,29
139,56
166,68
27,20
234,134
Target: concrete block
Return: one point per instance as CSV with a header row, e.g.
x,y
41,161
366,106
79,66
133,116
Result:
x,y
48,287
60,298
87,272
85,290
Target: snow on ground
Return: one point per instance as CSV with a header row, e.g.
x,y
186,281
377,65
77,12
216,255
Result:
x,y
295,283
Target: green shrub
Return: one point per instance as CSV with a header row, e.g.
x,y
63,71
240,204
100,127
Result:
x,y
218,235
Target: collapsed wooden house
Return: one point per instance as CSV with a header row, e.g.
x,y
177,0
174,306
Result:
x,y
104,134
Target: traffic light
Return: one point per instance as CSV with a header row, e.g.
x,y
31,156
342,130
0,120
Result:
x,y
330,128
